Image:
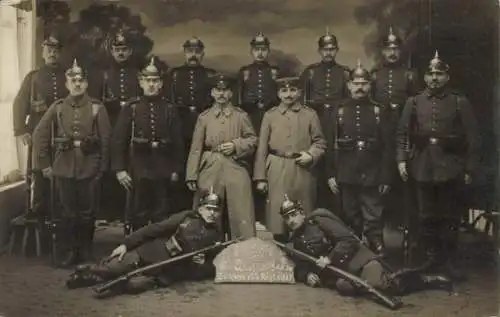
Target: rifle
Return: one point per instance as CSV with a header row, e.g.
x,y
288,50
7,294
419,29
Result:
x,y
393,303
52,222
129,203
124,278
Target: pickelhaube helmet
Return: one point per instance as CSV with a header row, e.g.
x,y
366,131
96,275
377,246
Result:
x,y
121,39
288,82
53,40
260,40
194,42
154,68
211,199
75,70
392,40
288,206
437,65
360,72
328,40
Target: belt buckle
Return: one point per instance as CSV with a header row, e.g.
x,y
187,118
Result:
x,y
289,154
77,143
260,105
361,144
433,141
155,144
327,106
122,103
394,105
192,108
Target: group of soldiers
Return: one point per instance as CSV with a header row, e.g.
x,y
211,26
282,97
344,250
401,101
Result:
x,y
158,138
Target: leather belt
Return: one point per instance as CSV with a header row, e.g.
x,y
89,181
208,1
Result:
x,y
39,107
173,247
211,149
288,155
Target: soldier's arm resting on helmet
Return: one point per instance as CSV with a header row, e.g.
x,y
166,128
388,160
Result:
x,y
196,150
121,140
259,172
155,230
21,106
104,128
42,140
318,142
469,122
245,145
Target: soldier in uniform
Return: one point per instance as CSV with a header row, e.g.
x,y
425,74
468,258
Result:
x,y
147,136
39,89
223,142
438,147
291,143
359,158
81,156
181,233
324,86
323,235
119,84
189,89
393,83
258,93
257,82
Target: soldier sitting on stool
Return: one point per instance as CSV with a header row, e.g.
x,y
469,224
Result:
x,y
324,236
182,233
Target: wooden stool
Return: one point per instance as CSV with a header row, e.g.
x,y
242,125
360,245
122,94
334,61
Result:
x,y
30,226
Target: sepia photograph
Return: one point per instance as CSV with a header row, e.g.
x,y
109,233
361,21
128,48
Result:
x,y
249,158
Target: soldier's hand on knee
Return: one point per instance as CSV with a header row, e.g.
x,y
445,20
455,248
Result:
x,y
383,189
174,177
199,258
26,139
334,187
124,179
312,280
403,171
192,186
323,261
119,252
47,172
262,187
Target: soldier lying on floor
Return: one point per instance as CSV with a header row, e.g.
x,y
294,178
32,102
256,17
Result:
x,y
182,233
325,237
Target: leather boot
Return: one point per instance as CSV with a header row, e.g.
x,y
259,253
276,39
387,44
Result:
x,y
452,262
67,240
86,238
412,280
79,279
377,245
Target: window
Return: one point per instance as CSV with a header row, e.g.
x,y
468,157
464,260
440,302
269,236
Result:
x,y
15,63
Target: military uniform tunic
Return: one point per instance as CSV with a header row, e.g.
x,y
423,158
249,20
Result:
x,y
359,157
288,131
227,174
190,91
150,120
257,90
39,89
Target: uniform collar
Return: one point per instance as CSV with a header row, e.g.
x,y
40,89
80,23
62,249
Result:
x,y
261,63
295,107
78,101
226,110
330,64
437,94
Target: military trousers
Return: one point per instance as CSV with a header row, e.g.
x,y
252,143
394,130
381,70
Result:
x,y
41,194
112,198
362,208
152,201
440,211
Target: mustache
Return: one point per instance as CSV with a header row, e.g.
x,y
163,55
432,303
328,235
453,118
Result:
x,y
193,59
359,90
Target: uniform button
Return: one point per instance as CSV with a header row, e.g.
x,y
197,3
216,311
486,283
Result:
x,y
357,107
357,111
357,124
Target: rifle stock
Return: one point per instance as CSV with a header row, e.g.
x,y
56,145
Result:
x,y
393,303
103,287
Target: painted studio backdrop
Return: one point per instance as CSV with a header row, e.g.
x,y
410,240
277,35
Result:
x,y
464,32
